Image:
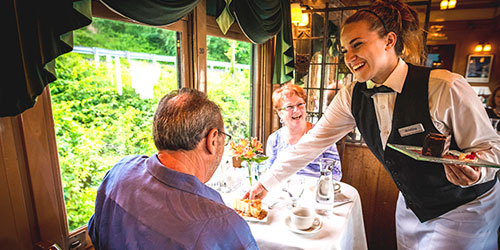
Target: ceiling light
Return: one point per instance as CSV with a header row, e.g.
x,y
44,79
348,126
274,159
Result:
x,y
452,4
443,5
296,13
487,47
305,20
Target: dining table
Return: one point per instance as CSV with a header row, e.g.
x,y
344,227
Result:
x,y
340,228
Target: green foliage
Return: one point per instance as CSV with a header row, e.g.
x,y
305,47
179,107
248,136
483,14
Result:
x,y
128,37
96,126
232,94
219,49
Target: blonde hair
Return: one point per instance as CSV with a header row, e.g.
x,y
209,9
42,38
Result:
x,y
395,16
285,90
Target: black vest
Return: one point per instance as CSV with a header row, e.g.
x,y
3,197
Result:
x,y
424,185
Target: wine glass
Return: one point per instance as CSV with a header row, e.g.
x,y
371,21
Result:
x,y
494,123
295,188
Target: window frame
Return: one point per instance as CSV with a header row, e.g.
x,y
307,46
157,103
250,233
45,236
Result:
x,y
28,141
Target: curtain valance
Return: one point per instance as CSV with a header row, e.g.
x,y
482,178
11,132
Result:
x,y
261,20
153,12
36,33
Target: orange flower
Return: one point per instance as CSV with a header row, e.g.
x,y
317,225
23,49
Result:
x,y
249,154
248,150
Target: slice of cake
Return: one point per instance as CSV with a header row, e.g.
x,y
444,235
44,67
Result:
x,y
435,144
249,208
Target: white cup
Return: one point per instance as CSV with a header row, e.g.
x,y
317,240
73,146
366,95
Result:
x,y
302,217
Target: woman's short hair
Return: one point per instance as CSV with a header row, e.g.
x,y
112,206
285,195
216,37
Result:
x,y
286,90
491,100
183,118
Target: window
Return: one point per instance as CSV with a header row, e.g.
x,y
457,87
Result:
x,y
229,82
103,103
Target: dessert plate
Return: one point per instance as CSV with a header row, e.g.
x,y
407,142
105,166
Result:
x,y
316,227
253,219
414,152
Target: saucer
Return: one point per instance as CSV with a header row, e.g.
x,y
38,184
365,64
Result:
x,y
336,187
316,227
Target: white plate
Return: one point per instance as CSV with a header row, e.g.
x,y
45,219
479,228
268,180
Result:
x,y
316,227
253,219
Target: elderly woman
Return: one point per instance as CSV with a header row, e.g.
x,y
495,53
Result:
x,y
289,103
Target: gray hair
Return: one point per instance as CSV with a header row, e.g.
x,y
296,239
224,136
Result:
x,y
183,119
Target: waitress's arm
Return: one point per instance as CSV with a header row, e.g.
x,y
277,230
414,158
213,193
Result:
x,y
336,122
455,108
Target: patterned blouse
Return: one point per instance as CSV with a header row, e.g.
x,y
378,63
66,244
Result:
x,y
276,144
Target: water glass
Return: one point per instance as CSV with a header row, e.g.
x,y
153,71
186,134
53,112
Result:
x,y
325,187
295,188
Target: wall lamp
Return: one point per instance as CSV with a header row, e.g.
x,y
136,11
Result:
x,y
298,18
447,4
482,47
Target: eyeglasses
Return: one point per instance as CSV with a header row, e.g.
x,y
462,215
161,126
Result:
x,y
227,139
292,107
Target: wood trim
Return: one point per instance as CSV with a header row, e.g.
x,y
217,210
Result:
x,y
264,116
198,47
44,174
234,31
18,229
362,170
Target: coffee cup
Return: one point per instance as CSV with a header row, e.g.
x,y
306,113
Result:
x,y
302,217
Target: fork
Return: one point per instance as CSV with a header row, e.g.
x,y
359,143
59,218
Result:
x,y
272,205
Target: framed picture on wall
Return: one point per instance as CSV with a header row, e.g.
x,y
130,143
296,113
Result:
x,y
479,68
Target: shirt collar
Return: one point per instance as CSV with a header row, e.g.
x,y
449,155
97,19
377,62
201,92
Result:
x,y
181,181
395,80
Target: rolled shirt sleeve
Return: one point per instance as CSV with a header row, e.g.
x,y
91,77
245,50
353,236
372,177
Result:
x,y
456,109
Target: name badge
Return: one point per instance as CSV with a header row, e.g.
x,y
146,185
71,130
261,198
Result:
x,y
411,130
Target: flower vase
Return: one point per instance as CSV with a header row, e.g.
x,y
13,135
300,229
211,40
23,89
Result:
x,y
249,172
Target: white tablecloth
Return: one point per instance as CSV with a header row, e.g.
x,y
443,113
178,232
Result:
x,y
343,229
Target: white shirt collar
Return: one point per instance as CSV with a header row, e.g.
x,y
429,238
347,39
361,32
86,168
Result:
x,y
395,80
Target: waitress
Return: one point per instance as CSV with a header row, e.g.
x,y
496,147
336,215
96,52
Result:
x,y
393,101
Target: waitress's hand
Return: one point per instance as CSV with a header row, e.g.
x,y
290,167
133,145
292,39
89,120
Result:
x,y
462,175
257,192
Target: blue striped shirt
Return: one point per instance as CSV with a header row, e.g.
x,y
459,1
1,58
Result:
x,y
276,144
141,204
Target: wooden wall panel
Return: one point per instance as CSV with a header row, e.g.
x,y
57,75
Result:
x,y
44,173
18,225
361,169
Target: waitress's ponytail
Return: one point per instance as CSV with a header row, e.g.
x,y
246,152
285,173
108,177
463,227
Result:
x,y
395,16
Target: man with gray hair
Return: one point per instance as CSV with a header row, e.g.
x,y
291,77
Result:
x,y
161,202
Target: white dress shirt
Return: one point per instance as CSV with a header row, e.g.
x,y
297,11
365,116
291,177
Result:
x,y
454,108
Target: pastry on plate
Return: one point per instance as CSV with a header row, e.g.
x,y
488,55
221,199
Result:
x,y
249,208
435,144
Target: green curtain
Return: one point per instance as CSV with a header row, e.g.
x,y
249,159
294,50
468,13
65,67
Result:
x,y
284,67
153,12
36,32
261,20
